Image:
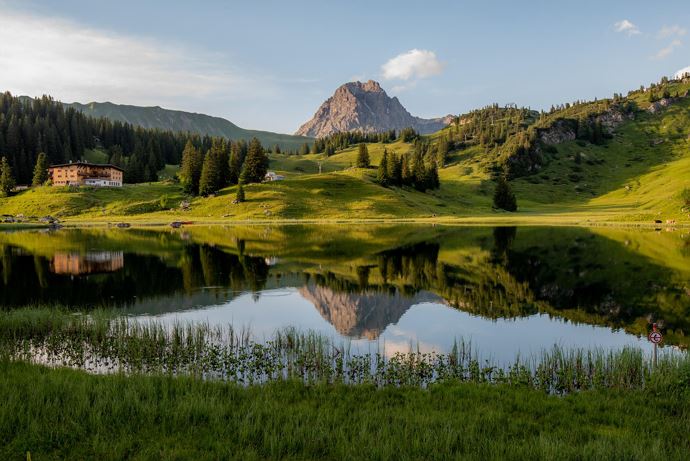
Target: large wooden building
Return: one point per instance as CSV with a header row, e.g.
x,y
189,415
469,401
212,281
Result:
x,y
85,174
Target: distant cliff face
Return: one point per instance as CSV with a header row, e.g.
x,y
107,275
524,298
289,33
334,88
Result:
x,y
365,107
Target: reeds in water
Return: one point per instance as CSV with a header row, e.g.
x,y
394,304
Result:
x,y
98,343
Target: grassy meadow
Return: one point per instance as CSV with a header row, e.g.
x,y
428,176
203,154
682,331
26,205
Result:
x,y
165,400
67,414
636,177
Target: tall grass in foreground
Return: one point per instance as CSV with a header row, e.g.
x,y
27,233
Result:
x,y
101,344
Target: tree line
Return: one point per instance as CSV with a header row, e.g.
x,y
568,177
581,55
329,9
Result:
x,y
224,163
29,127
408,170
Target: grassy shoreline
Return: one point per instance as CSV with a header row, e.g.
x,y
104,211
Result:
x,y
67,414
470,221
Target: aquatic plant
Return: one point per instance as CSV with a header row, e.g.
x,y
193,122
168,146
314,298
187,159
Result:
x,y
102,344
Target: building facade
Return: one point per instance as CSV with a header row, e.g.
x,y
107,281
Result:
x,y
86,174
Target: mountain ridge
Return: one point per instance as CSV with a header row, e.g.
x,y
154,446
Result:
x,y
365,107
182,121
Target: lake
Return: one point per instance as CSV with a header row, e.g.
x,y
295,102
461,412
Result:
x,y
506,290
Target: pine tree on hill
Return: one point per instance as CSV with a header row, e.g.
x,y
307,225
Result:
x,y
395,170
40,170
190,170
382,173
433,181
7,181
240,193
256,163
419,172
504,198
363,156
235,167
407,177
210,175
214,169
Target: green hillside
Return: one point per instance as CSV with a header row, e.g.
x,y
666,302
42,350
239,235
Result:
x,y
175,120
638,171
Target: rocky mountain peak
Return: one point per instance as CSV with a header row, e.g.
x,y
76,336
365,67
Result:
x,y
357,106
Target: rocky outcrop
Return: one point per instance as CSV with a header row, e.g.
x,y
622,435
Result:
x,y
361,315
564,130
662,104
365,107
559,132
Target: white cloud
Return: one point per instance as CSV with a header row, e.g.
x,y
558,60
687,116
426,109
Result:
x,y
671,31
73,62
682,72
664,52
626,27
414,64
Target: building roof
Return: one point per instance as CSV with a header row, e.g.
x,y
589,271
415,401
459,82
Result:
x,y
97,165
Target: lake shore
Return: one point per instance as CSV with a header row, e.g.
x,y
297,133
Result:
x,y
73,415
493,220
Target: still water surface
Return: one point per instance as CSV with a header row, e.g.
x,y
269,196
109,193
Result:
x,y
506,290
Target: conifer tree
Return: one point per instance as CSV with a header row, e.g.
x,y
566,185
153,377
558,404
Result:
x,y
7,181
190,170
395,170
504,198
407,177
235,169
40,170
240,193
256,163
419,172
363,156
210,175
442,152
382,172
433,181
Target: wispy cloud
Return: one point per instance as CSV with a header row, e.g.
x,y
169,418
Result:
x,y
413,64
76,63
667,50
627,27
671,31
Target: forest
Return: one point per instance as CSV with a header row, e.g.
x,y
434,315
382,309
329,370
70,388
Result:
x,y
29,127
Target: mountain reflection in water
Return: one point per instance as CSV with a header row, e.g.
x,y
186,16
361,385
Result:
x,y
361,280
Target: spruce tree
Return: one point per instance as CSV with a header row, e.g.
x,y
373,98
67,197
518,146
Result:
x,y
235,166
209,179
7,181
256,163
407,177
363,156
419,172
504,198
240,193
382,172
433,181
442,152
190,170
395,170
40,170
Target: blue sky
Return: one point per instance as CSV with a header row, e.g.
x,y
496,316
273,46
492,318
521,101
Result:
x,y
269,64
